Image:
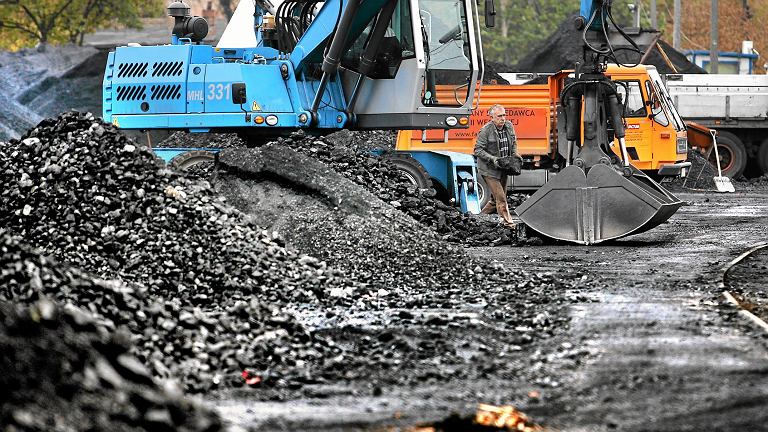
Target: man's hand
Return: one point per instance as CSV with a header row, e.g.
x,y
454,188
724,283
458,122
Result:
x,y
510,164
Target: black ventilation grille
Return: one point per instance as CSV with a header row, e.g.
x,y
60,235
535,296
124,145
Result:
x,y
164,69
165,92
132,70
131,93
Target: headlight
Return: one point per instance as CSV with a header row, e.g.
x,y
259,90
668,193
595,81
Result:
x,y
682,145
451,121
271,120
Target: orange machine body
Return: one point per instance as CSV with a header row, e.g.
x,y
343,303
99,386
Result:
x,y
532,108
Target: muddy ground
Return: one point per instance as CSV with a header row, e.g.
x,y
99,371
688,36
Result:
x,y
747,281
648,343
313,298
405,324
358,315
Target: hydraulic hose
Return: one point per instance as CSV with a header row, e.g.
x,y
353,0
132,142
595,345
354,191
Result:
x,y
368,59
333,57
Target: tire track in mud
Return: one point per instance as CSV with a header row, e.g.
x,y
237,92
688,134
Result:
x,y
750,299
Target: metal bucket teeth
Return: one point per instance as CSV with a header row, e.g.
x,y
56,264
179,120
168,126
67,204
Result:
x,y
598,206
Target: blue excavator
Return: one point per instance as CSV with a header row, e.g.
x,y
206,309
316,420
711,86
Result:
x,y
307,64
325,65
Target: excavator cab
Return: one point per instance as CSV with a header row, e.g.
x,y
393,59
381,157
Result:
x,y
598,196
427,44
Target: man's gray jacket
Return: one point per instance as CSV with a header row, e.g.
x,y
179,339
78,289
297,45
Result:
x,y
487,149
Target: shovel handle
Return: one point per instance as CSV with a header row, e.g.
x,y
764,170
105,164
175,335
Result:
x,y
717,154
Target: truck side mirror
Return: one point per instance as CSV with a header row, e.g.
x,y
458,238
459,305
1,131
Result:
x,y
239,94
490,14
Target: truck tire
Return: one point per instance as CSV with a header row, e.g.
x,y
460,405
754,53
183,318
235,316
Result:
x,y
733,154
762,157
482,191
186,160
413,170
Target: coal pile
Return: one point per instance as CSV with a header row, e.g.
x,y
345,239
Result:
x,y
79,190
351,155
203,347
402,264
64,370
320,212
346,153
197,272
756,183
564,48
208,297
700,174
38,83
201,140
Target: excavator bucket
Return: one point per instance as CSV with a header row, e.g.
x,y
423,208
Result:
x,y
597,206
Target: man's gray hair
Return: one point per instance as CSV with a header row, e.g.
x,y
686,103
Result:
x,y
495,108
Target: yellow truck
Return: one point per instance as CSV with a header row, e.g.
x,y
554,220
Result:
x,y
655,133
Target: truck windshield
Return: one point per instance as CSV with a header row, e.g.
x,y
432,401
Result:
x,y
666,101
657,110
448,52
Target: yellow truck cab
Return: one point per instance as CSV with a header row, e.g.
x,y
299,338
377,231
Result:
x,y
655,133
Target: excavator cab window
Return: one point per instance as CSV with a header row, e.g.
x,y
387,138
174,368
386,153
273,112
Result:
x,y
635,106
396,46
448,52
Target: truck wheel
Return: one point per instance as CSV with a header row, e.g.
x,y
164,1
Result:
x,y
413,170
733,154
483,193
762,157
186,160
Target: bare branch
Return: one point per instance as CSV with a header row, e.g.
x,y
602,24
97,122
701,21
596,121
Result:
x,y
31,16
18,26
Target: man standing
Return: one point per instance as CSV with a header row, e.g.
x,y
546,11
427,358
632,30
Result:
x,y
496,145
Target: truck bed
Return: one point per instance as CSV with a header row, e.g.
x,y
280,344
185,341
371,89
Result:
x,y
720,97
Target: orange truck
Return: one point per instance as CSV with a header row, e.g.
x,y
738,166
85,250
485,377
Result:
x,y
655,134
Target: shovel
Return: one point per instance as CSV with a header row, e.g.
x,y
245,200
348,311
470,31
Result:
x,y
722,184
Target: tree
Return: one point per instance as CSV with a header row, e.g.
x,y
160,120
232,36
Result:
x,y
30,22
521,24
738,21
227,8
89,15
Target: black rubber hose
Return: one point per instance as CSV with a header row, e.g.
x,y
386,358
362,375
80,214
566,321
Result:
x,y
614,110
573,118
368,59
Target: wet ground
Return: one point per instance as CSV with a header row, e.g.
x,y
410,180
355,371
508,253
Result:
x,y
648,343
631,335
746,280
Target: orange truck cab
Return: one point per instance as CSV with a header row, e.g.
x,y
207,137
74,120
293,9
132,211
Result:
x,y
655,134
